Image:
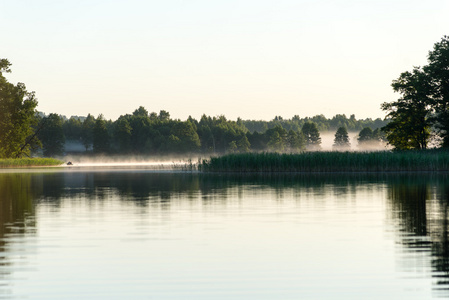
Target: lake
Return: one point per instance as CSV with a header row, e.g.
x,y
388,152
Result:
x,y
134,233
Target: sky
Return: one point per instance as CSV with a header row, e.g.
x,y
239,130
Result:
x,y
253,59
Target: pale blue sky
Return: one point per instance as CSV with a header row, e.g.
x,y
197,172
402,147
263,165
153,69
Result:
x,y
253,59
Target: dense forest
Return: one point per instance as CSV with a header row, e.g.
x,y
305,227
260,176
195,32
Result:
x,y
143,132
419,118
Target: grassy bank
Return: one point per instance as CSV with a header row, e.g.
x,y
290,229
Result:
x,y
29,162
383,161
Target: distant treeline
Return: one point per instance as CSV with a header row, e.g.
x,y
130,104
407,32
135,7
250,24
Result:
x,y
322,123
144,133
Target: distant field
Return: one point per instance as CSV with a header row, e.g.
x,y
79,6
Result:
x,y
29,162
376,161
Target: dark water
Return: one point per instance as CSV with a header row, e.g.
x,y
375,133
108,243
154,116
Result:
x,y
136,234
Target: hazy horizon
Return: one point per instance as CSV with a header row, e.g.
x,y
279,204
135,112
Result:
x,y
248,59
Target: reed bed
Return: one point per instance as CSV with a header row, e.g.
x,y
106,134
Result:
x,y
332,161
29,162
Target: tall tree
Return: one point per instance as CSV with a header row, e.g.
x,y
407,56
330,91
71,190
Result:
x,y
122,134
243,144
438,76
101,141
188,138
276,137
140,112
87,131
365,136
295,141
312,136
341,140
72,129
52,135
410,124
17,116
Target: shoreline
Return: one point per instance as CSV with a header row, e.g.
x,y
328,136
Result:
x,y
20,163
430,161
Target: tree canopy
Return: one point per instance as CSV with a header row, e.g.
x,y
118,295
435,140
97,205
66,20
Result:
x,y
423,105
341,140
17,116
312,136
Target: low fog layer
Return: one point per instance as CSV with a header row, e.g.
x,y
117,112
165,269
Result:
x,y
327,141
164,162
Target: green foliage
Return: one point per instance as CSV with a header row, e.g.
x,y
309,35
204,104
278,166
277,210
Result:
x,y
341,140
368,138
378,161
277,138
365,135
243,144
424,104
323,123
72,129
101,141
189,140
87,131
140,112
295,141
122,134
17,116
232,147
409,127
311,136
438,72
52,135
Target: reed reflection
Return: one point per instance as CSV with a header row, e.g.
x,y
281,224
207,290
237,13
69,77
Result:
x,y
417,204
142,187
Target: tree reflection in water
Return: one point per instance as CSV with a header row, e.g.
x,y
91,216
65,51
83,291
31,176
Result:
x,y
17,192
420,205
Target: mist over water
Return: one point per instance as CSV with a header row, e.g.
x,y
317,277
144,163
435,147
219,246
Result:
x,y
127,161
176,162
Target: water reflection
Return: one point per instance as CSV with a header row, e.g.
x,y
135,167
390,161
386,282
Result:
x,y
17,192
416,204
419,204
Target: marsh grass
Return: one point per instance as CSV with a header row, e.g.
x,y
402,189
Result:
x,y
332,161
29,162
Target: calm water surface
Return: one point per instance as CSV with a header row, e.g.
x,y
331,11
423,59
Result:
x,y
139,234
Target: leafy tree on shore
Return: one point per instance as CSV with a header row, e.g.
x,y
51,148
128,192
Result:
x,y
341,140
295,141
87,131
72,129
369,138
189,140
437,72
424,104
243,144
17,117
277,138
122,134
365,136
101,142
410,124
312,136
52,135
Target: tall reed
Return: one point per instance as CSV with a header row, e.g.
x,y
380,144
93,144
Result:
x,y
332,161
